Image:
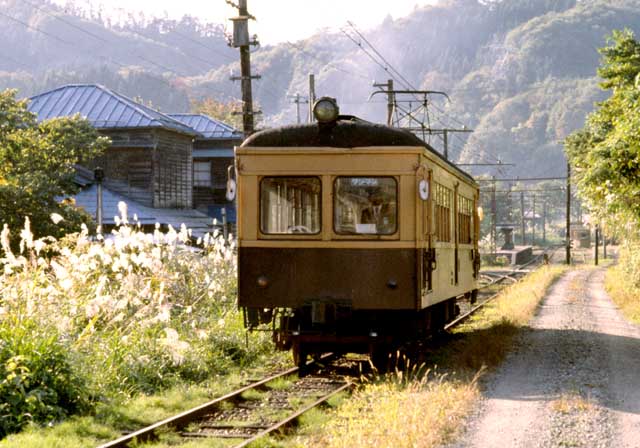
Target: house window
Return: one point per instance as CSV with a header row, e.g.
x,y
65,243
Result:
x,y
202,174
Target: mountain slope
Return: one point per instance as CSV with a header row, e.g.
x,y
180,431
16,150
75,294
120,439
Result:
x,y
521,73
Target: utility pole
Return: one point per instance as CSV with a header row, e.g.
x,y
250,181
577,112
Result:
x,y
494,235
524,242
297,100
544,221
568,224
390,99
597,244
312,95
445,137
533,216
241,40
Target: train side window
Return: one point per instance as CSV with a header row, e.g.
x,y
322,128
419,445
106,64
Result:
x,y
443,203
365,206
465,214
290,205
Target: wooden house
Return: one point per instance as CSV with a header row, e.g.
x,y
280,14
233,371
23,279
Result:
x,y
212,155
150,159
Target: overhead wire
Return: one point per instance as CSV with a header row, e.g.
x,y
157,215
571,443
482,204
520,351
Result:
x,y
89,33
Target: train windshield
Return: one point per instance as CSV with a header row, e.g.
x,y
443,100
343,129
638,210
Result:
x,y
290,205
365,205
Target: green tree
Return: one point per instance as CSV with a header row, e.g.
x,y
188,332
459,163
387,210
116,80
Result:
x,y
605,154
37,167
219,110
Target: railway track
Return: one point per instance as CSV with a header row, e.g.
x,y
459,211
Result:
x,y
272,404
493,282
251,412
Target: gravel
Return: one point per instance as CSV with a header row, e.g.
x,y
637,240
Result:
x,y
572,380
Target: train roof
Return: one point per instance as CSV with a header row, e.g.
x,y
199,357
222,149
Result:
x,y
346,132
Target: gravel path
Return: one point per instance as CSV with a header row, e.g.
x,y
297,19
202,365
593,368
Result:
x,y
573,379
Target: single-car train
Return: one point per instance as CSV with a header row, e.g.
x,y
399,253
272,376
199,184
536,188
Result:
x,y
352,236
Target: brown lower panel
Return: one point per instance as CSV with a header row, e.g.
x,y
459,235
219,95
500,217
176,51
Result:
x,y
363,278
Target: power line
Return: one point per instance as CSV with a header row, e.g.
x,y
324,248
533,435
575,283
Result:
x,y
158,78
523,179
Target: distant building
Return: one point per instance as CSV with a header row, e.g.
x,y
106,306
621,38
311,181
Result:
x,y
212,156
155,160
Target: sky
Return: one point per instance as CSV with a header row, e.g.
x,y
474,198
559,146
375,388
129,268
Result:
x,y
277,20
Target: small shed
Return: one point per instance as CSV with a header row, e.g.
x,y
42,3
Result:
x,y
150,158
212,155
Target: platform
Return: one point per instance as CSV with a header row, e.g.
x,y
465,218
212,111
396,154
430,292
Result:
x,y
517,255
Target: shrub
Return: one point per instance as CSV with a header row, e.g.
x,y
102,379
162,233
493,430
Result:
x,y
135,312
37,382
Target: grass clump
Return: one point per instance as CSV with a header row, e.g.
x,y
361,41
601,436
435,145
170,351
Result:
x,y
417,407
423,413
622,281
85,322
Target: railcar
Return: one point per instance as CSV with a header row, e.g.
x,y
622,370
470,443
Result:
x,y
352,236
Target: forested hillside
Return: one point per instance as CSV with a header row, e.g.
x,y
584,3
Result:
x,y
521,73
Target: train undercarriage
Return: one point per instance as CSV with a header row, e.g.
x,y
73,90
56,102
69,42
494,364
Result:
x,y
322,326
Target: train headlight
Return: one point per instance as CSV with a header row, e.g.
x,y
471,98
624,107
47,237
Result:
x,y
326,110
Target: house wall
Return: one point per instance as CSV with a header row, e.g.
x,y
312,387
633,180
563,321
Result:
x,y
214,195
151,166
173,170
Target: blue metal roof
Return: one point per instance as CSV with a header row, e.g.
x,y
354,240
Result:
x,y
104,108
207,126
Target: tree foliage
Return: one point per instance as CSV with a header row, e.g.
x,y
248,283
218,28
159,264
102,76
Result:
x,y
219,110
605,154
37,166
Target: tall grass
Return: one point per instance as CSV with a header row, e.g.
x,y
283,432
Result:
x,y
622,281
418,407
83,321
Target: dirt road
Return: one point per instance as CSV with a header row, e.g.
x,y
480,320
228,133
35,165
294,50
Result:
x,y
573,379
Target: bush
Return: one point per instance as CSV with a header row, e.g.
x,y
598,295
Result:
x,y
134,313
37,382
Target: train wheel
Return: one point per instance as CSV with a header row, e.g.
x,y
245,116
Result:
x,y
300,354
474,296
381,358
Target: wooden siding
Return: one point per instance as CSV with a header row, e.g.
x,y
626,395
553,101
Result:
x,y
150,166
173,171
215,194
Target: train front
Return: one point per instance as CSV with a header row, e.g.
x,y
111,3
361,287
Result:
x,y
327,233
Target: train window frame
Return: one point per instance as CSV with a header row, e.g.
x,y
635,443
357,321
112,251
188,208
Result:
x,y
284,235
465,220
365,235
443,231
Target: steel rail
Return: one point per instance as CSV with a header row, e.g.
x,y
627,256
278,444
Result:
x,y
180,420
293,417
466,315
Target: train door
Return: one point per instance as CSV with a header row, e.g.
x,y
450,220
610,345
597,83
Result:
x,y
428,249
456,235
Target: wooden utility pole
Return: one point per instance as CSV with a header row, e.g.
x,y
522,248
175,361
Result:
x,y
568,224
494,235
533,227
445,138
597,232
522,218
297,100
241,40
312,95
390,99
544,221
